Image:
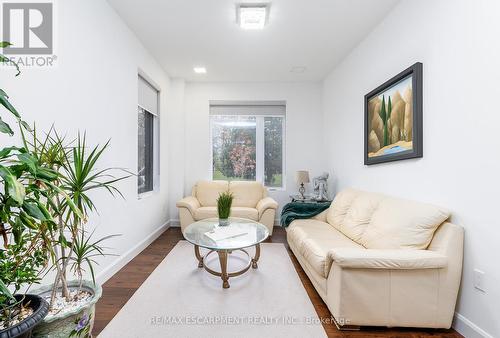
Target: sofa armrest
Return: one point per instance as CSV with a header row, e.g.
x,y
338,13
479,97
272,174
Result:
x,y
266,203
322,216
387,259
190,202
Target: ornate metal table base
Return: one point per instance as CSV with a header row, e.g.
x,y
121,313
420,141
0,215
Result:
x,y
223,256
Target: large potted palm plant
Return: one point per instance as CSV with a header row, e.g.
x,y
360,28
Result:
x,y
72,247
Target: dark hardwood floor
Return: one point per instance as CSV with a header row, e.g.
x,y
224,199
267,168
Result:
x,y
118,289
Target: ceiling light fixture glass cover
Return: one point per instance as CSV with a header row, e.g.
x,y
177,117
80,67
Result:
x,y
298,69
252,16
200,70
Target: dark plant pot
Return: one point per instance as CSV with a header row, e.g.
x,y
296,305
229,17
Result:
x,y
23,329
223,222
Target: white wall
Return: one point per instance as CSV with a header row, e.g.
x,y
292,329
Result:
x,y
303,128
457,41
176,150
94,89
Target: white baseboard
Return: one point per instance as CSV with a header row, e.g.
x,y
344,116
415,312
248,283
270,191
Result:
x,y
174,223
467,328
121,261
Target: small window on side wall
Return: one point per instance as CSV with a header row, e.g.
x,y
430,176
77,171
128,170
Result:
x,y
148,136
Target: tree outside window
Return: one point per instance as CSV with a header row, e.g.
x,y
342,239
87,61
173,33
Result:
x,y
248,148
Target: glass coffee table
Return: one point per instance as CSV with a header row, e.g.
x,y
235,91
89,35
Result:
x,y
255,233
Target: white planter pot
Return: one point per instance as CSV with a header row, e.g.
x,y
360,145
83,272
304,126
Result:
x,y
75,323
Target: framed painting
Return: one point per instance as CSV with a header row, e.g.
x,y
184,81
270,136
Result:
x,y
393,118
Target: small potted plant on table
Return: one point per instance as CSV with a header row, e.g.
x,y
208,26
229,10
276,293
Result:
x,y
224,203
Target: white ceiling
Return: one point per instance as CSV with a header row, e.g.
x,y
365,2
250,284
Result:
x,y
315,34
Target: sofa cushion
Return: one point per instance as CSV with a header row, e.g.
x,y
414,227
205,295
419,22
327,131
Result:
x,y
246,193
340,206
313,239
211,212
207,192
402,224
244,212
359,215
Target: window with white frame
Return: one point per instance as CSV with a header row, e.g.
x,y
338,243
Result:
x,y
148,136
248,141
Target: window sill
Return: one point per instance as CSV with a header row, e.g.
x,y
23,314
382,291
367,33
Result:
x,y
275,189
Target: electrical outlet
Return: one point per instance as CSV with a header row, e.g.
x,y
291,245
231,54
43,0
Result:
x,y
479,280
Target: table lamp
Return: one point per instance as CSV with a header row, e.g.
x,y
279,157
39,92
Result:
x,y
301,177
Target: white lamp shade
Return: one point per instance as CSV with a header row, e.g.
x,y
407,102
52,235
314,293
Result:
x,y
302,176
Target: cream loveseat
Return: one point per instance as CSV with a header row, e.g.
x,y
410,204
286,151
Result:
x,y
250,201
382,261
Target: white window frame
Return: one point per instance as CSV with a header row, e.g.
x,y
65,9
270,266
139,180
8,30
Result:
x,y
259,148
156,136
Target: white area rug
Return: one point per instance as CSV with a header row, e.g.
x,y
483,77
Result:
x,y
181,300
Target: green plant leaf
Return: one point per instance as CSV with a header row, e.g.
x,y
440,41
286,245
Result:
x,y
6,151
26,126
89,263
5,102
68,200
4,44
5,59
34,211
47,174
63,241
17,230
5,128
27,220
44,211
30,161
5,291
14,188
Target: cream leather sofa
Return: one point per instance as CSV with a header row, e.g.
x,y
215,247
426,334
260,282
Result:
x,y
382,261
250,201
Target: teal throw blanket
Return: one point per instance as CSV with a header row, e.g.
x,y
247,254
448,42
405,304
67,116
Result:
x,y
301,210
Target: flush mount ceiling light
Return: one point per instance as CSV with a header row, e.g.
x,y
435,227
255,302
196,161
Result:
x,y
298,69
200,70
252,16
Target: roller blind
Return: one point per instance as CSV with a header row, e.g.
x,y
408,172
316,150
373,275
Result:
x,y
250,108
148,96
